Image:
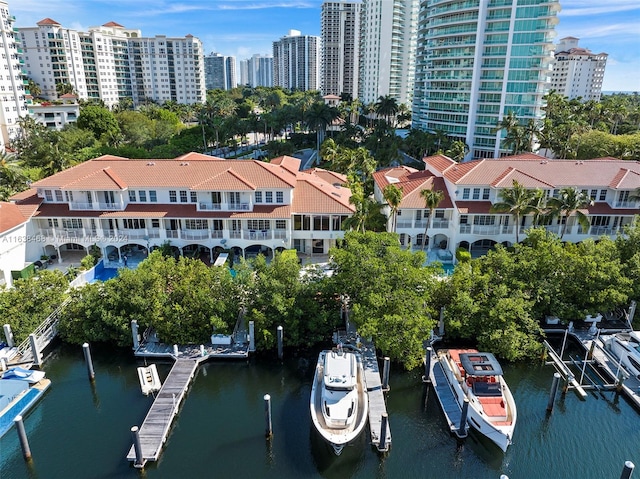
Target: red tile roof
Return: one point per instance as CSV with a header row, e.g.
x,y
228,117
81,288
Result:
x,y
330,177
10,216
187,171
112,24
313,195
535,171
473,207
412,182
47,21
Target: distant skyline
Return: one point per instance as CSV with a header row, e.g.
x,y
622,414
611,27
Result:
x,y
242,28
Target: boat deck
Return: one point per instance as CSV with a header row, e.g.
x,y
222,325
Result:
x,y
22,404
446,398
156,426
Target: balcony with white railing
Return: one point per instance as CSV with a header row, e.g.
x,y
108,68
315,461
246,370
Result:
x,y
488,230
194,234
206,206
216,234
80,205
172,233
439,223
140,233
404,224
626,204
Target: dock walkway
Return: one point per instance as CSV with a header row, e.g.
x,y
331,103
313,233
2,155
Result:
x,y
157,423
446,398
377,404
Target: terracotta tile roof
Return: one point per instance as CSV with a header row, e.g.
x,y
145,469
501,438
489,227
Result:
x,y
24,195
289,163
330,177
473,207
27,204
393,175
439,162
112,24
10,216
602,208
510,174
47,21
626,179
313,195
412,182
114,173
537,171
228,180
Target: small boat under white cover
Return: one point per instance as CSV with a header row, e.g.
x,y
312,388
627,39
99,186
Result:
x,y
149,380
339,402
626,349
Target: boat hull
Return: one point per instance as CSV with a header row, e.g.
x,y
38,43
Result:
x,y
626,349
499,429
338,437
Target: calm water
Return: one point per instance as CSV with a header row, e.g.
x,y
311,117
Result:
x,y
83,431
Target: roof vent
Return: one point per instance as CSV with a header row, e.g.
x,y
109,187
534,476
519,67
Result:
x,y
336,194
184,164
151,163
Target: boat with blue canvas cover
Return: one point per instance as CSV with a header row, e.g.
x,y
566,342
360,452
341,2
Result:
x,y
20,389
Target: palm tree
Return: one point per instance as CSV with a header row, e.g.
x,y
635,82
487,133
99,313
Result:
x,y
63,88
432,199
318,117
457,150
517,201
387,106
570,201
34,89
393,196
515,137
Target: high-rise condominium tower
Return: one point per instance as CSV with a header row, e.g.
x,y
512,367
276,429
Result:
x,y
220,72
387,49
340,30
13,79
111,62
576,71
478,60
296,61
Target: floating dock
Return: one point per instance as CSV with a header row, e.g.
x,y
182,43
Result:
x,y
446,398
156,426
377,404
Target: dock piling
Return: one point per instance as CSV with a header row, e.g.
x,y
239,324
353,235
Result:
x,y
175,350
383,432
280,341
441,323
37,359
3,364
137,446
134,334
462,427
554,391
87,358
385,374
202,353
252,340
627,470
22,435
427,364
267,416
8,334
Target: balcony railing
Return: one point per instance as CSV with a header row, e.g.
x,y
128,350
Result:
x,y
210,206
440,223
172,233
405,224
78,205
204,206
626,204
195,234
216,234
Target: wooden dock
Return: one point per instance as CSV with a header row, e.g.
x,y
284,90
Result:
x,y
377,404
156,426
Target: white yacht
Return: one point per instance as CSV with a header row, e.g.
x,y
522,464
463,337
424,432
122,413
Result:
x,y
339,403
626,348
478,377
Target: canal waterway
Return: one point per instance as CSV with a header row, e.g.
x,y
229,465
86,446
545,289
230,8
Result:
x,y
80,430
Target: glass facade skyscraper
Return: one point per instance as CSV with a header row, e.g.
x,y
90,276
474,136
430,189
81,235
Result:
x,y
478,60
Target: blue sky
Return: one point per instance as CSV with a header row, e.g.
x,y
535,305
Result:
x,y
243,27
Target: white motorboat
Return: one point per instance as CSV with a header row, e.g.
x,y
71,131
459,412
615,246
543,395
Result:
x,y
339,402
478,377
626,349
149,380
